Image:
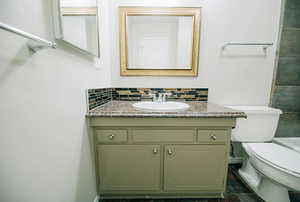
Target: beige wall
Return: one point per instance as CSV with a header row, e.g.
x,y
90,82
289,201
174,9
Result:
x,y
44,150
231,79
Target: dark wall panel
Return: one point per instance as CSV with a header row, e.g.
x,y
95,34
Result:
x,y
287,90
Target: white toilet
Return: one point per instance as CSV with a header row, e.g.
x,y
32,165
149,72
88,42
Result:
x,y
270,167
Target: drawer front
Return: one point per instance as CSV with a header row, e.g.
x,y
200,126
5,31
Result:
x,y
213,136
113,136
160,136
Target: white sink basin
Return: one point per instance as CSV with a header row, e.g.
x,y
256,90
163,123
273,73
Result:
x,y
161,106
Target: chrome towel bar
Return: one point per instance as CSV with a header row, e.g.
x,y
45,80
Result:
x,y
264,45
38,42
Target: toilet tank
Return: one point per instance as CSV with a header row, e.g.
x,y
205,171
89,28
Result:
x,y
260,125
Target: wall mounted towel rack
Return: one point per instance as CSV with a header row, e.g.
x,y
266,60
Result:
x,y
264,45
35,43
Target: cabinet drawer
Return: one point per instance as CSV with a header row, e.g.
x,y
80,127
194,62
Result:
x,y
212,136
183,136
106,136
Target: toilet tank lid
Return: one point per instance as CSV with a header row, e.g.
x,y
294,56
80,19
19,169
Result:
x,y
256,109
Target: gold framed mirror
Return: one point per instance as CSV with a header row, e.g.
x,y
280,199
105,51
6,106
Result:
x,y
159,41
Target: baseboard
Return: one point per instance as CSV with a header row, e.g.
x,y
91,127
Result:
x,y
96,199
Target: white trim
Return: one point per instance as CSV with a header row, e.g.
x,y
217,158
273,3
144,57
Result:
x,y
277,53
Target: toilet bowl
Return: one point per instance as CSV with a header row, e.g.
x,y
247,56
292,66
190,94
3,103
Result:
x,y
270,166
271,170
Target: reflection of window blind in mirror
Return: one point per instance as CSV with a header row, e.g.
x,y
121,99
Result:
x,y
78,7
160,42
76,11
78,3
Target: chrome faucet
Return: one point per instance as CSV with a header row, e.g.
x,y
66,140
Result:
x,y
160,97
153,95
166,96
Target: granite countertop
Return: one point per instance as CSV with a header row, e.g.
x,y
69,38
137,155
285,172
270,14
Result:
x,y
196,110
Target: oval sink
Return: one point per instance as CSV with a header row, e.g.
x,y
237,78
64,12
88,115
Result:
x,y
161,106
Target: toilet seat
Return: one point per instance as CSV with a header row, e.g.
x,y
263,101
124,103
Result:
x,y
277,156
289,142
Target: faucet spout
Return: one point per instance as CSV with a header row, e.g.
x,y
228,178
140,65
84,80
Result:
x,y
160,97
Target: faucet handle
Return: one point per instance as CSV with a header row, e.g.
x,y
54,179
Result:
x,y
151,92
153,95
165,96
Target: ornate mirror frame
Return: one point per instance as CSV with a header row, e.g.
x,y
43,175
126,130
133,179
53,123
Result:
x,y
124,12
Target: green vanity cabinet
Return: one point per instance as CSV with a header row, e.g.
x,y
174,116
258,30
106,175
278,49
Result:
x,y
161,157
194,167
129,167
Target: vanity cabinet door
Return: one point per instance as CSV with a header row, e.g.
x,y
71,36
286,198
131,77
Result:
x,y
129,167
194,167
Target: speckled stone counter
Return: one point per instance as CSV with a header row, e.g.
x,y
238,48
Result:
x,y
196,110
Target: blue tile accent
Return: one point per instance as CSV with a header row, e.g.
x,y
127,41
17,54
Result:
x,y
288,72
289,125
98,97
292,14
287,90
287,98
290,43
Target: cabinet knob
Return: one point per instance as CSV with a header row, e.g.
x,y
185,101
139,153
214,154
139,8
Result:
x,y
170,152
111,137
213,137
155,151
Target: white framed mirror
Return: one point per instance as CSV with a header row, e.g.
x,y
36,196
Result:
x,y
78,24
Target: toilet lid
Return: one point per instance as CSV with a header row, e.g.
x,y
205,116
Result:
x,y
277,155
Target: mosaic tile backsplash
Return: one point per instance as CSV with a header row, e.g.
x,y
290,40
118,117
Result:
x,y
98,97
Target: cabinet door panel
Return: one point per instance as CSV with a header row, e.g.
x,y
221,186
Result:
x,y
129,167
194,167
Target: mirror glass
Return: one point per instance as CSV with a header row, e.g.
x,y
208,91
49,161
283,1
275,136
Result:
x,y
160,42
79,24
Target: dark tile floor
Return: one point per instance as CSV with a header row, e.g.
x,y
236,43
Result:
x,y
236,191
